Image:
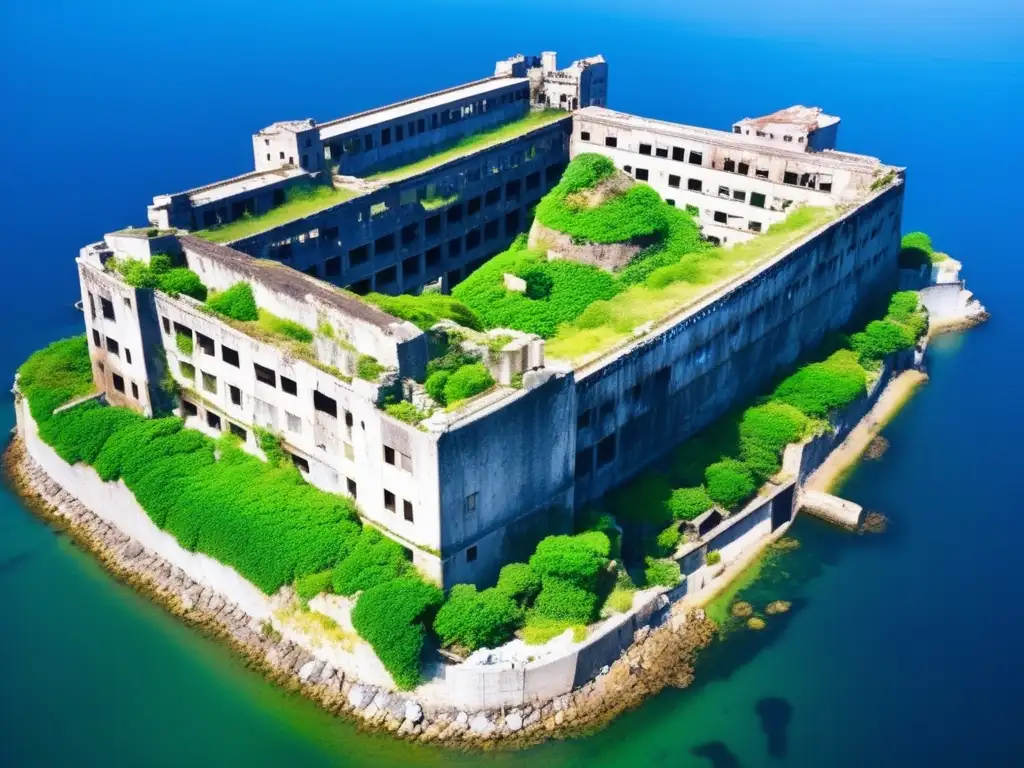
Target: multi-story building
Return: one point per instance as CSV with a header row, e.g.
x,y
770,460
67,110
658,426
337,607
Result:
x,y
470,489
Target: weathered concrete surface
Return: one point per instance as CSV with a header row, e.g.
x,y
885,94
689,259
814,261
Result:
x,y
832,508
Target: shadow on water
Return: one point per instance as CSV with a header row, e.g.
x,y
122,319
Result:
x,y
719,755
775,714
14,561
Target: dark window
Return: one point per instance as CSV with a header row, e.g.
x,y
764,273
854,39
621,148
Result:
x,y
610,141
641,174
472,239
512,190
661,151
606,451
670,201
694,185
118,382
454,247
761,173
389,500
673,181
265,375
433,256
584,462
755,226
627,168
389,455
410,233
368,141
493,196
696,158
385,136
399,132
213,419
229,355
607,407
473,206
455,213
471,554
411,266
825,186
348,419
96,338
433,225
189,408
721,218
166,322
645,149
135,390
729,165
583,420
384,245
113,347
739,194
789,177
108,308
387,276
743,168
288,386
326,404
757,199
512,222
330,233
236,394
585,135
332,267
678,153
490,230
533,180
302,464
238,431
205,344
350,484
358,255
407,510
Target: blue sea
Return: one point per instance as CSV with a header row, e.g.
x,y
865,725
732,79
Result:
x,y
902,649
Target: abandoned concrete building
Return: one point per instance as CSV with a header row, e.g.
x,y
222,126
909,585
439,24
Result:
x,y
422,192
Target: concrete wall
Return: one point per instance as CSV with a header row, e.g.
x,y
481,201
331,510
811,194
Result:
x,y
730,348
386,241
517,461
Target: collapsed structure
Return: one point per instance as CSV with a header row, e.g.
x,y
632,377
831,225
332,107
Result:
x,y
419,194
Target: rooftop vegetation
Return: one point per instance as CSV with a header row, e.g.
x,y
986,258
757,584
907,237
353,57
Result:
x,y
426,310
300,201
474,143
725,463
161,275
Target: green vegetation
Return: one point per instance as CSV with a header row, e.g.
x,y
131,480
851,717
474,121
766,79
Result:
x,y
539,629
433,202
184,343
374,559
714,557
519,582
309,586
300,201
916,251
368,368
392,617
405,411
426,310
689,503
159,274
475,142
662,573
435,385
570,569
279,326
668,540
471,619
236,303
467,381
620,600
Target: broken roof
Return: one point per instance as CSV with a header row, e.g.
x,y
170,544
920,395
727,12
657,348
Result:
x,y
807,118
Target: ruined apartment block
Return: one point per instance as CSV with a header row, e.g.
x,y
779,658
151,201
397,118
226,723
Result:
x,y
413,204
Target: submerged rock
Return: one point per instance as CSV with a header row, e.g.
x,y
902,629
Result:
x,y
755,622
777,606
874,522
876,448
741,609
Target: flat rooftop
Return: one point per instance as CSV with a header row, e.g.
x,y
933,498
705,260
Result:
x,y
245,183
402,109
807,118
722,138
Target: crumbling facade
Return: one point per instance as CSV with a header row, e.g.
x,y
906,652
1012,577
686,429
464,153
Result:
x,y
413,204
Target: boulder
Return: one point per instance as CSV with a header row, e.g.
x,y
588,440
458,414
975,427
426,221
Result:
x,y
360,695
513,722
413,711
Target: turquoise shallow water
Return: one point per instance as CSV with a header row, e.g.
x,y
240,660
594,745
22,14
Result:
x,y
901,649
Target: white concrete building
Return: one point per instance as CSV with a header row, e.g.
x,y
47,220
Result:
x,y
738,184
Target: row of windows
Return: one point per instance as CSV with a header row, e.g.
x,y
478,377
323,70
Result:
x,y
106,307
678,153
353,145
111,345
118,381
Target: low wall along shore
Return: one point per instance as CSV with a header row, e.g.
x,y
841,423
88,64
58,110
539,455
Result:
x,y
519,697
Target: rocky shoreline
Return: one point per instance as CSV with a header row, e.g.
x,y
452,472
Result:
x,y
659,657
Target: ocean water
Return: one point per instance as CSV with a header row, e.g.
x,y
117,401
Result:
x,y
901,649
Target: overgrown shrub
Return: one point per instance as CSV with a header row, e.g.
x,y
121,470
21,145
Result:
x,y
237,303
713,558
475,620
773,425
881,338
468,381
689,503
435,385
181,280
519,582
368,368
566,601
405,411
308,587
375,559
643,500
729,482
668,540
55,375
160,275
819,388
184,343
391,617
283,327
662,573
576,559
427,309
